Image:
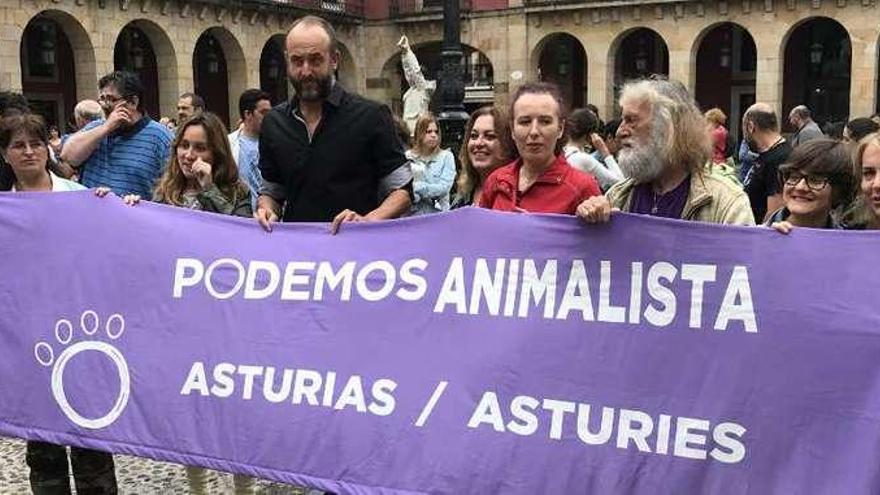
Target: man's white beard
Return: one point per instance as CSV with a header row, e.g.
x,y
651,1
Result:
x,y
643,162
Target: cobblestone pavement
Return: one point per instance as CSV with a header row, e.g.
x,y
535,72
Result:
x,y
134,475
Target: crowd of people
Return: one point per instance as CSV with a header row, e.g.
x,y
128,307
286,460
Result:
x,y
329,155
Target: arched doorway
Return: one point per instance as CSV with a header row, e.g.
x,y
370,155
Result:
x,y
640,53
817,70
563,61
725,72
48,61
211,75
273,71
134,53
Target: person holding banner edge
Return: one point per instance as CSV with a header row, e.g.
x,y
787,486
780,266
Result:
x,y
664,147
541,180
24,141
202,175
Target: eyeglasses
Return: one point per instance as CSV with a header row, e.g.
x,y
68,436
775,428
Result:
x,y
814,182
25,146
110,99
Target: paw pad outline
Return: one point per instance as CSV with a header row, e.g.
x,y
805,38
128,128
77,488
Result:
x,y
114,327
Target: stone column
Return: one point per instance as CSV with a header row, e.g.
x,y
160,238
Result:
x,y
770,68
863,75
600,77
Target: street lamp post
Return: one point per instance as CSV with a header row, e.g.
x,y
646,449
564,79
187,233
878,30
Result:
x,y
452,116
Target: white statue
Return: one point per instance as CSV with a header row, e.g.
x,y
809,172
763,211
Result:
x,y
418,96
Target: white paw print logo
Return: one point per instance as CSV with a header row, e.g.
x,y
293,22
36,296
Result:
x,y
64,334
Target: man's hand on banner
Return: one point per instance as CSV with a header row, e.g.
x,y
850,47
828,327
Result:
x,y
346,216
595,210
266,213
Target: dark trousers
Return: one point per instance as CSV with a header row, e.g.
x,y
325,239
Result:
x,y
93,471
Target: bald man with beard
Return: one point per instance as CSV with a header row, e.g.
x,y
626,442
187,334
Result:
x,y
664,152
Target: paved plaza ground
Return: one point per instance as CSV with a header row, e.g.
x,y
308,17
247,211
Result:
x,y
134,475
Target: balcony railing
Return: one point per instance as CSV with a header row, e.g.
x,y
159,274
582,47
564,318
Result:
x,y
413,7
353,8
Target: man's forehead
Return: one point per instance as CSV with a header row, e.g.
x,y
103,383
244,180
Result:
x,y
185,101
636,107
109,89
308,39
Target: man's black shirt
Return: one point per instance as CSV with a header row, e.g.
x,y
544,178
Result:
x,y
354,146
762,180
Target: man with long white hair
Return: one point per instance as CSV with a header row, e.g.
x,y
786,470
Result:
x,y
664,152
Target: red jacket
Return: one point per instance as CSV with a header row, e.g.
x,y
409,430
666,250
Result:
x,y
560,189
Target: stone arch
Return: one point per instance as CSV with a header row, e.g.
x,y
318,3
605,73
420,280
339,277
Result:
x,y
166,64
652,57
562,59
49,92
816,67
724,61
236,73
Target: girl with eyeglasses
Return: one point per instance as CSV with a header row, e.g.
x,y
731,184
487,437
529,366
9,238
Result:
x,y
817,180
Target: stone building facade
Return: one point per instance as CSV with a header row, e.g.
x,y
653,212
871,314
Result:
x,y
730,53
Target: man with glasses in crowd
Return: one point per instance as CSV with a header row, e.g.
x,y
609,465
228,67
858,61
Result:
x,y
125,152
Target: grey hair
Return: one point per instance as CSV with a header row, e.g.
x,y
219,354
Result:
x,y
88,110
679,119
802,112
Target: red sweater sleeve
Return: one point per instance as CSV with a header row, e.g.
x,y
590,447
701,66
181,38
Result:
x,y
487,196
588,187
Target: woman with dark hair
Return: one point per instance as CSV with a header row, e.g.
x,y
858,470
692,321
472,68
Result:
x,y
202,175
817,178
540,181
26,164
858,128
581,127
487,146
433,168
24,145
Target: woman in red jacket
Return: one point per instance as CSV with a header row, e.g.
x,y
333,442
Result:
x,y
540,181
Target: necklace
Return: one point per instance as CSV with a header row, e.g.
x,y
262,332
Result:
x,y
655,201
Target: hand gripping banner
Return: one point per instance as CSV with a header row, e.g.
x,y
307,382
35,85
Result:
x,y
469,352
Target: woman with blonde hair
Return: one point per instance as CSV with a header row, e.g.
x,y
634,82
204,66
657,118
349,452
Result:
x,y
487,145
433,168
867,174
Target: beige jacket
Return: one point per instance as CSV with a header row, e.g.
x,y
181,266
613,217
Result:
x,y
712,198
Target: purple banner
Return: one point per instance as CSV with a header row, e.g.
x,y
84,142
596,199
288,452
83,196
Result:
x,y
470,352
